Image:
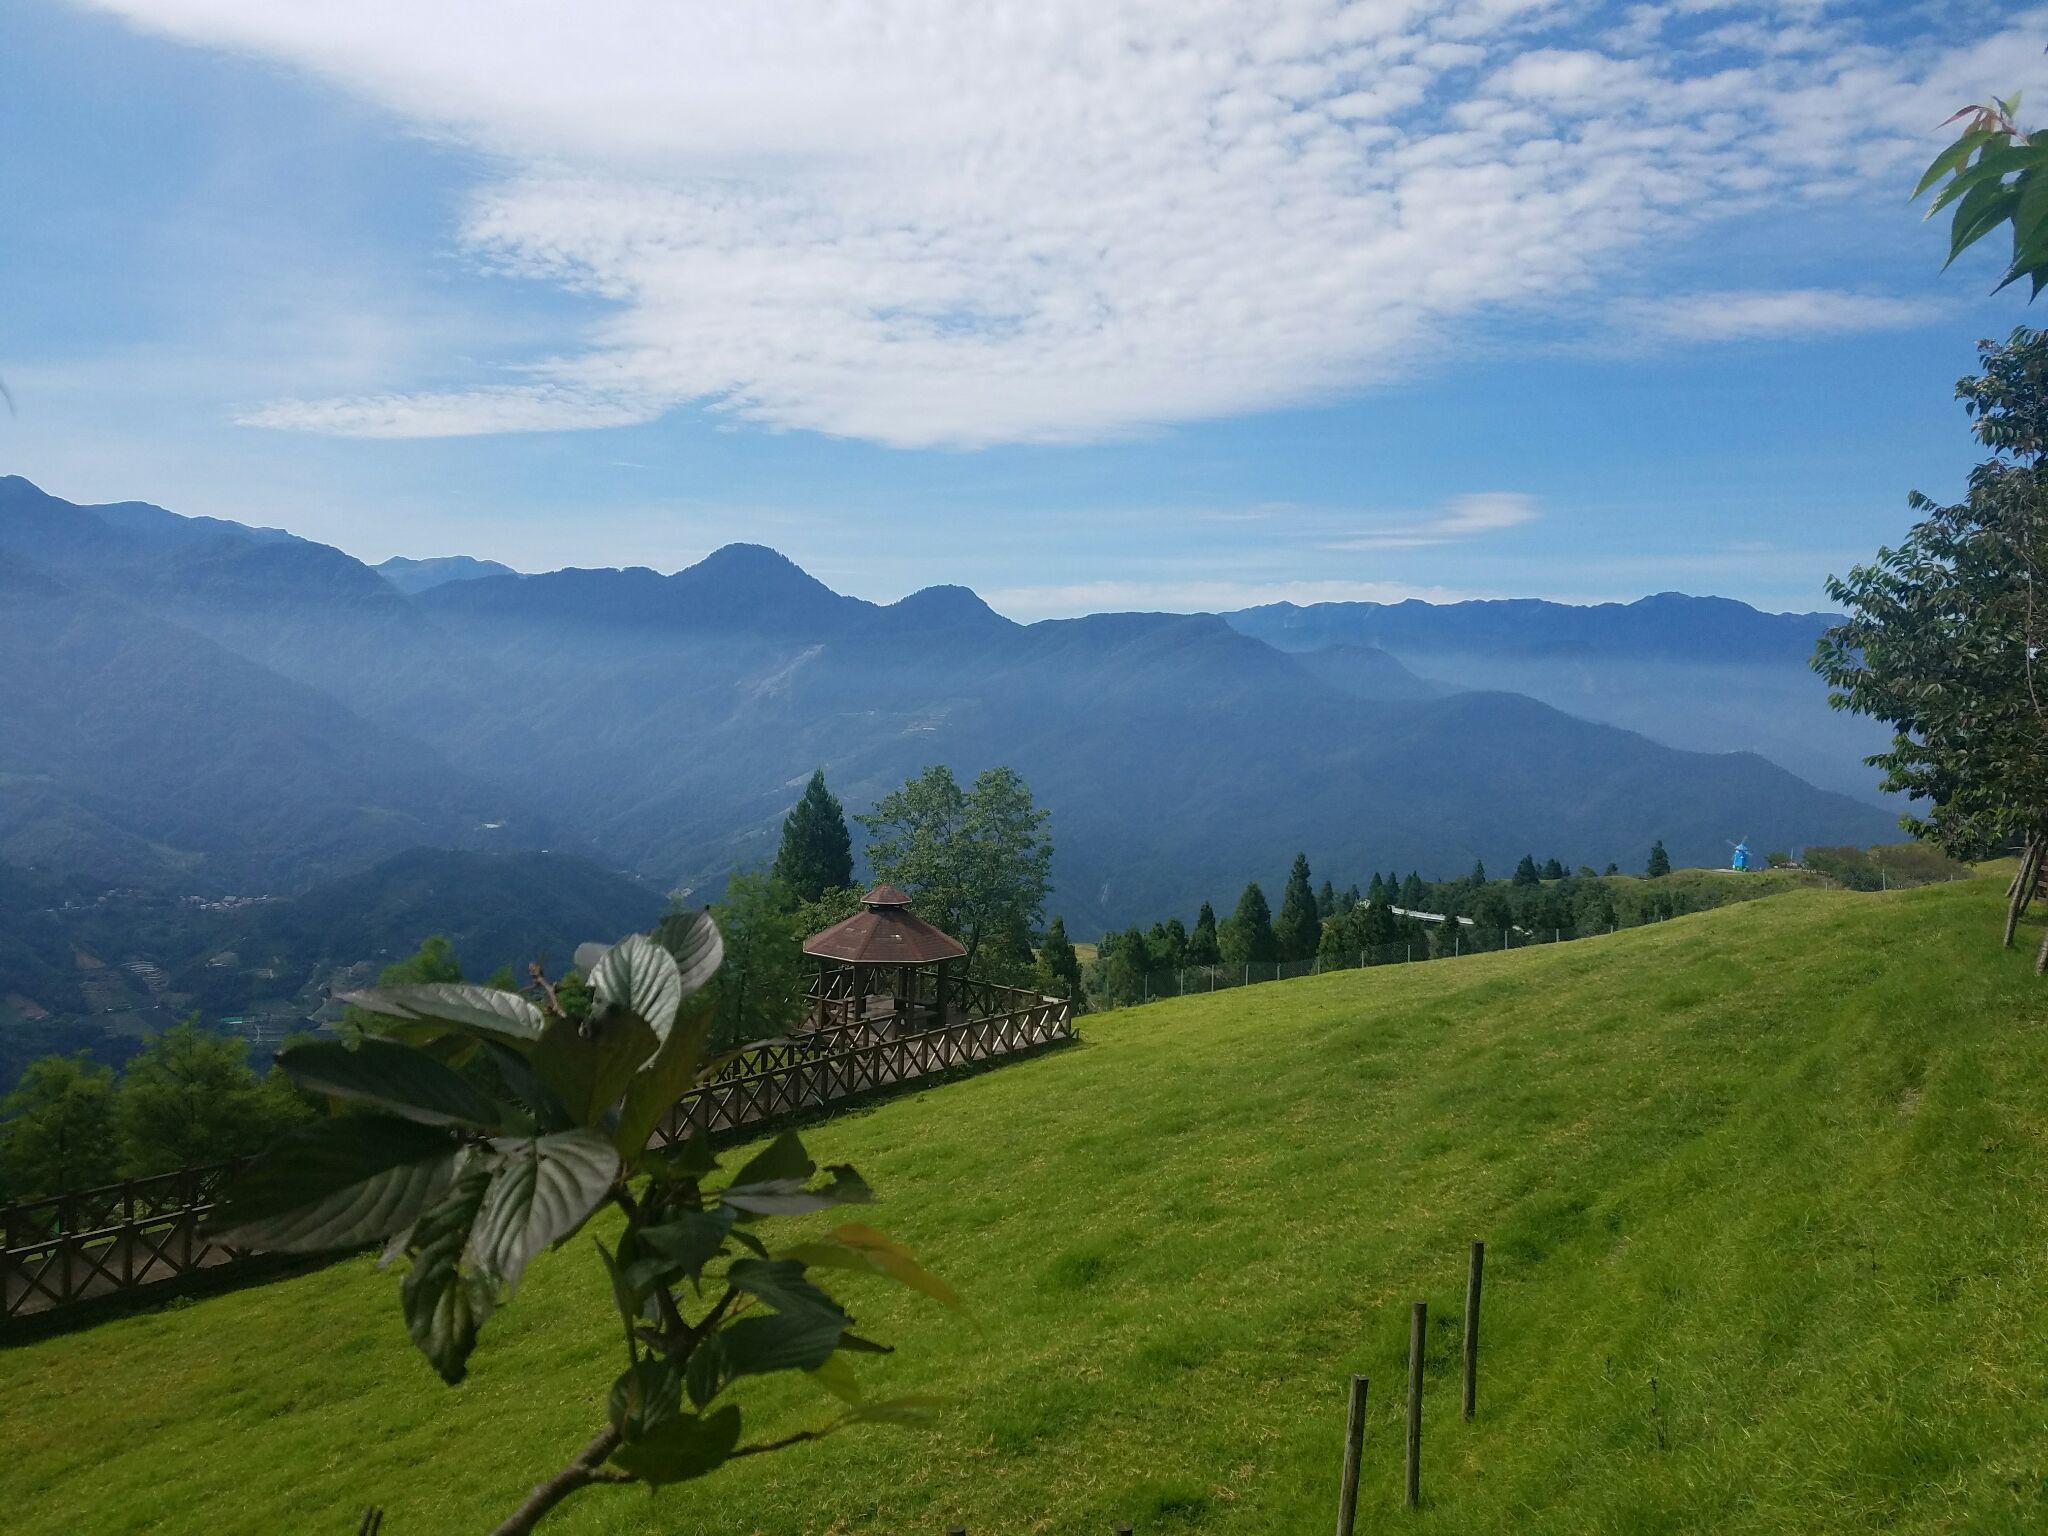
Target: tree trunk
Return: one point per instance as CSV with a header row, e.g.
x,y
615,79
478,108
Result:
x,y
2022,888
2041,959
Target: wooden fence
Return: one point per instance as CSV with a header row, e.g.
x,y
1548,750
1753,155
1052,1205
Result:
x,y
76,1247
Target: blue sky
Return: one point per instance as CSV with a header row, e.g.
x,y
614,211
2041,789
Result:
x,y
1086,306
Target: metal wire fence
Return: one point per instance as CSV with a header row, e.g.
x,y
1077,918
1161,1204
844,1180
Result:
x,y
1191,981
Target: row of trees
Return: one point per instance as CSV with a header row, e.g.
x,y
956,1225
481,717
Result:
x,y
189,1097
1323,923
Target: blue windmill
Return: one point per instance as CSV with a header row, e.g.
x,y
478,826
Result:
x,y
1741,859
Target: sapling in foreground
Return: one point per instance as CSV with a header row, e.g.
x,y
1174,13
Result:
x,y
483,1126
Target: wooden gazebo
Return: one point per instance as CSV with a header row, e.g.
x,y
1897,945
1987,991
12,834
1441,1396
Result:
x,y
885,967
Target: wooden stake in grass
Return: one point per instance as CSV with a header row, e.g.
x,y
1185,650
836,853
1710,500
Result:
x,y
1472,1327
1354,1443
1418,1326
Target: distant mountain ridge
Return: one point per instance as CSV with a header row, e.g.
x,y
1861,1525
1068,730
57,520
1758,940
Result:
x,y
418,575
665,723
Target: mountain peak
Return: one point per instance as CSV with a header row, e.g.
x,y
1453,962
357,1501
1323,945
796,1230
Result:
x,y
945,607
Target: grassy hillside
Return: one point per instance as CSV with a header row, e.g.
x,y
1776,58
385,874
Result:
x,y
1787,1159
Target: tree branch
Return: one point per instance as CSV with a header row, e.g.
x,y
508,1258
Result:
x,y
587,1468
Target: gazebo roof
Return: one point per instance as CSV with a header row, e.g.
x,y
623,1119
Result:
x,y
884,932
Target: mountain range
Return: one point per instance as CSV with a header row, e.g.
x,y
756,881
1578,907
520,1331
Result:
x,y
213,707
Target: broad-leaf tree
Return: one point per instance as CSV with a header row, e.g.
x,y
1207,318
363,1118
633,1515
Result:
x,y
758,993
468,1184
191,1098
1945,633
57,1128
977,861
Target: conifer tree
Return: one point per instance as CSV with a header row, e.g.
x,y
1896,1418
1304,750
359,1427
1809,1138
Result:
x,y
817,851
1478,875
1326,900
1059,966
1350,898
1298,927
1376,892
1660,861
1525,872
1202,945
1411,892
1552,870
1248,938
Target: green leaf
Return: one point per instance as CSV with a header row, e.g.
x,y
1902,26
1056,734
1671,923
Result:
x,y
338,1183
444,1303
837,1377
764,1342
687,1243
638,976
782,1285
656,1086
687,1446
862,1249
544,1188
481,1010
397,1078
794,1197
588,1072
645,1397
708,1371
1952,158
693,941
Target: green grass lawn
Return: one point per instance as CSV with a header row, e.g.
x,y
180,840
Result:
x,y
1786,1159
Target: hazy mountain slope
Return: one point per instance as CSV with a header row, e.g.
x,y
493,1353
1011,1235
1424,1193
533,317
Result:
x,y
666,722
418,575
1366,672
1703,673
142,751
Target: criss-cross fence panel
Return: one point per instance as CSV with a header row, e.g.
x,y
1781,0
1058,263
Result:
x,y
75,1247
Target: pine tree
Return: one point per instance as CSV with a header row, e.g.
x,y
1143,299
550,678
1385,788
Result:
x,y
1202,946
1376,892
1248,939
1478,875
1552,870
1298,927
1059,966
1349,899
1525,872
1411,892
816,852
1326,900
1660,861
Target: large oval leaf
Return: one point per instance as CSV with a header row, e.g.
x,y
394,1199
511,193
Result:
x,y
340,1183
480,1010
696,945
545,1187
395,1078
638,975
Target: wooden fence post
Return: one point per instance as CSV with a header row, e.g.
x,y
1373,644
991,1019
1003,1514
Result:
x,y
1418,1326
1472,1327
1354,1442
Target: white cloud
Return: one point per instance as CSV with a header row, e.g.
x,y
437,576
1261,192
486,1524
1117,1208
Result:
x,y
1198,596
1791,312
922,223
1462,517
